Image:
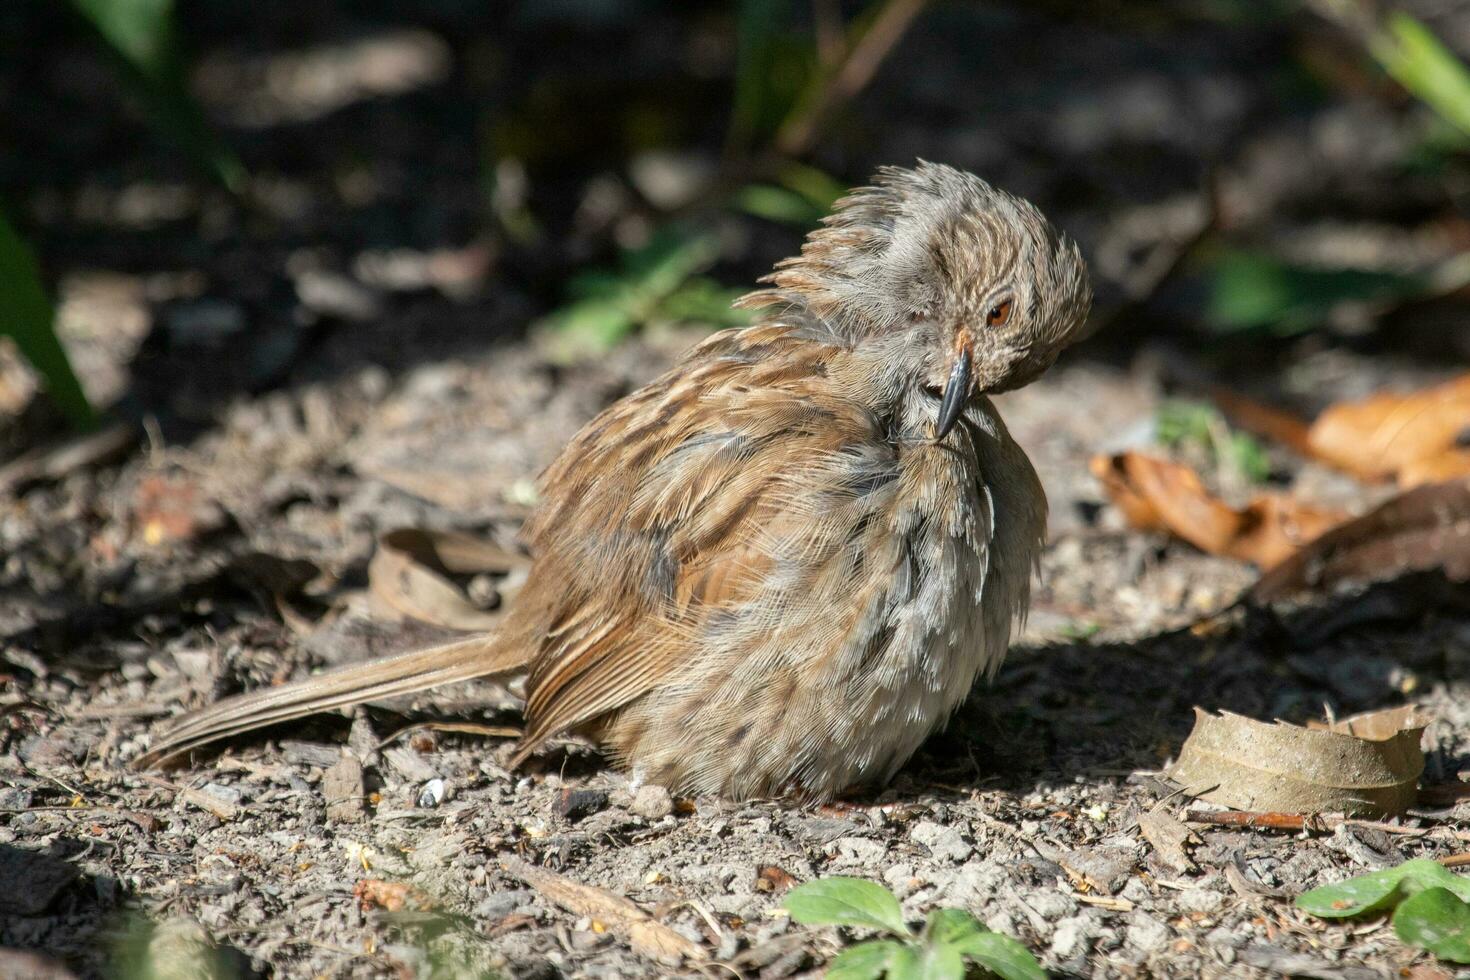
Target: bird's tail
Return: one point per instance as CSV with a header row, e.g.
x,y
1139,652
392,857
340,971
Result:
x,y
403,673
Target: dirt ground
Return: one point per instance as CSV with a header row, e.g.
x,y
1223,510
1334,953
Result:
x,y
351,358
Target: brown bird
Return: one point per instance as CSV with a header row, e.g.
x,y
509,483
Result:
x,y
776,569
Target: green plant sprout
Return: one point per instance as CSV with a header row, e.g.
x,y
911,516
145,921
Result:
x,y
949,939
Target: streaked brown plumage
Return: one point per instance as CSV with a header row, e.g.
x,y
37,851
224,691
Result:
x,y
780,566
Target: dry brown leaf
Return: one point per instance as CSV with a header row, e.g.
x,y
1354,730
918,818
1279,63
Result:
x,y
644,933
170,507
394,896
1376,726
1450,465
1424,528
408,576
1156,494
1251,765
1384,433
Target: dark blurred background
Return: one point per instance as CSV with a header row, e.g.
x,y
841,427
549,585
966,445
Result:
x,y
228,198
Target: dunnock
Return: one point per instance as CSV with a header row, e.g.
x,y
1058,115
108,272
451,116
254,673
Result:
x,y
779,567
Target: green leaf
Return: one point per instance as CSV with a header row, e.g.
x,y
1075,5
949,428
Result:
x,y
1195,423
1381,890
1438,921
1250,290
1419,62
778,204
26,316
704,300
657,283
846,902
869,961
587,326
141,34
1001,955
773,66
941,962
951,926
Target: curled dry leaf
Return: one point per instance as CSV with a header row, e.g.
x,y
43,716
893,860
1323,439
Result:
x,y
1416,437
1156,494
1449,465
1252,765
409,576
1424,528
393,896
1381,435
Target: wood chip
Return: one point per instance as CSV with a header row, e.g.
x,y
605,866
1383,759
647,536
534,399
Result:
x,y
342,788
208,802
1167,836
616,913
409,764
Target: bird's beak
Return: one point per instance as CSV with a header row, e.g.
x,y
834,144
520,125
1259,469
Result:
x,y
956,393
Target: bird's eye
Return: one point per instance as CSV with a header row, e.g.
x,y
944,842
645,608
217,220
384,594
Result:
x,y
999,314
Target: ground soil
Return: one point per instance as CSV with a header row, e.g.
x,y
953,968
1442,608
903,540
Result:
x,y
352,357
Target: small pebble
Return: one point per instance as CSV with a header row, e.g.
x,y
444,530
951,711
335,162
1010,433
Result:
x,y
431,795
652,803
575,804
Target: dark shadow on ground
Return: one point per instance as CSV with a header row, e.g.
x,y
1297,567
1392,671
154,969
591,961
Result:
x,y
1107,710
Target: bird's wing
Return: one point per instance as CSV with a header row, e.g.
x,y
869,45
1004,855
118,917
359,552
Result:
x,y
720,487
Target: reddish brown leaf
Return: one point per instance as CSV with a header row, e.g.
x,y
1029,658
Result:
x,y
770,878
169,507
1449,465
394,896
1156,494
1425,528
1381,435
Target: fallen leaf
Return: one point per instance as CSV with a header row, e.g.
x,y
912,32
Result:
x,y
1376,726
169,507
1252,765
770,878
1155,494
1378,436
409,576
1449,465
1415,437
392,896
1424,528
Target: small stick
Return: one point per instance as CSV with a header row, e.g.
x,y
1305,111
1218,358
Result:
x,y
646,934
1316,822
1269,820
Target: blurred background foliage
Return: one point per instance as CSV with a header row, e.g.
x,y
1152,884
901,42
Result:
x,y
594,168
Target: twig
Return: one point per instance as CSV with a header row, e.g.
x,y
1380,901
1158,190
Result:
x,y
1455,860
1314,822
458,727
643,932
799,131
1104,902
